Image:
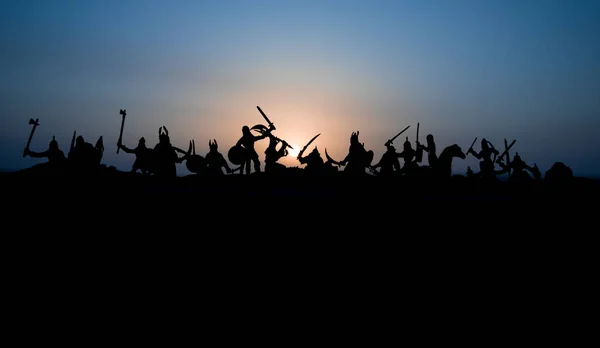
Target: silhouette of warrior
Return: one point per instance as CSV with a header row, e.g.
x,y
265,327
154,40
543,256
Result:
x,y
389,162
519,167
84,154
358,158
165,155
314,162
486,165
408,154
142,156
247,142
430,148
54,154
272,155
215,161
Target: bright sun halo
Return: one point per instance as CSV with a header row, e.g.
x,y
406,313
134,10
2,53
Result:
x,y
293,152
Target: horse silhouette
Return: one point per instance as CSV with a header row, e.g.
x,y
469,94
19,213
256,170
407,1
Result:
x,y
442,167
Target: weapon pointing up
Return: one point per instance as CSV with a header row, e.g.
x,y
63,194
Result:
x,y
471,147
72,141
35,123
506,148
266,118
262,130
419,151
306,146
389,142
123,113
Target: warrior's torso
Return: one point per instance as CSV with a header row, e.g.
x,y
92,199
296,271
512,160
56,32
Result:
x,y
84,154
313,160
247,141
389,160
215,160
56,156
165,152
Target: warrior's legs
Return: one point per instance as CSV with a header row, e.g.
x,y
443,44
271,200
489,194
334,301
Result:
x,y
256,165
254,158
247,167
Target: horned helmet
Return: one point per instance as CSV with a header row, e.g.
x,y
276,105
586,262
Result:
x,y
163,136
213,146
354,137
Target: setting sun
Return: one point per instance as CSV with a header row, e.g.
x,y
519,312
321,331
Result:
x,y
293,152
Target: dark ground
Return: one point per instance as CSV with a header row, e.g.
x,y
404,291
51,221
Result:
x,y
364,200
121,241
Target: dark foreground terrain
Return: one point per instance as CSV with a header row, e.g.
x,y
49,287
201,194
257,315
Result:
x,y
495,247
107,192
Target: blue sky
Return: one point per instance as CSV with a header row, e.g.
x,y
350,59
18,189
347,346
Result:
x,y
527,70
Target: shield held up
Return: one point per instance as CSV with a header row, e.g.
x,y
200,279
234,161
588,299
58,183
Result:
x,y
236,155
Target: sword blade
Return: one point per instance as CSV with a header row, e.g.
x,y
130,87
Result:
x,y
397,135
511,144
73,141
473,143
331,159
417,132
307,144
311,140
263,115
508,148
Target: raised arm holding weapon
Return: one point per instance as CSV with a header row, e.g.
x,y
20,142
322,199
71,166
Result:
x,y
35,123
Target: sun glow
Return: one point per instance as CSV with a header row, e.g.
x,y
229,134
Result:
x,y
294,151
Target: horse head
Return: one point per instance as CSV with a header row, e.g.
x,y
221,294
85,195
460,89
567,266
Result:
x,y
453,151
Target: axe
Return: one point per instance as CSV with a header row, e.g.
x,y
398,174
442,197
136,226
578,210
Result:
x,y
35,124
123,113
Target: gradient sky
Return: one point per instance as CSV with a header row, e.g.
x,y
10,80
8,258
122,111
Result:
x,y
525,69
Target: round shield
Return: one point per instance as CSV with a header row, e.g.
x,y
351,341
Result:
x,y
236,155
195,163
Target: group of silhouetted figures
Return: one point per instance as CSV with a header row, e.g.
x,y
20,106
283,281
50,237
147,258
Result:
x,y
160,161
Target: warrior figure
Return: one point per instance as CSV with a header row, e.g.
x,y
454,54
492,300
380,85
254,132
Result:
x,y
389,162
486,165
247,142
408,154
54,154
358,158
143,156
215,161
165,155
